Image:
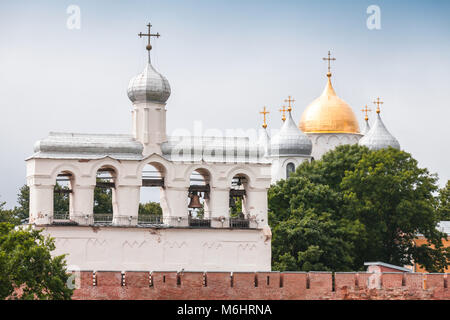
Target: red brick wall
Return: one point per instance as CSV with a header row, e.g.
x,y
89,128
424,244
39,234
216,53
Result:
x,y
260,285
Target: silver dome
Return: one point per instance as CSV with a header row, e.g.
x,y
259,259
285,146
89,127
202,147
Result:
x,y
379,137
366,127
264,142
290,141
149,86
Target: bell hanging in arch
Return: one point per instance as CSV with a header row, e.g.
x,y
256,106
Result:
x,y
195,201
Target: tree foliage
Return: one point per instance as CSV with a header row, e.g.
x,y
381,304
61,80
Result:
x,y
150,207
354,206
27,269
443,202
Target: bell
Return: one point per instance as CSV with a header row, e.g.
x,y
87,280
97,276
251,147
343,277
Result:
x,y
232,203
195,201
206,195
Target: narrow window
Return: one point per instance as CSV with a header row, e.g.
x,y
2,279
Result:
x,y
290,168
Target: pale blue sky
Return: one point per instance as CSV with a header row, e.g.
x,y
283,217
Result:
x,y
224,61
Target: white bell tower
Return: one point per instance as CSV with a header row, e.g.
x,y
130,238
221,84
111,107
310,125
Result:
x,y
149,92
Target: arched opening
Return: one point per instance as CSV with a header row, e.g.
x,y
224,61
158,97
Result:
x,y
290,168
104,195
62,196
239,217
152,197
198,199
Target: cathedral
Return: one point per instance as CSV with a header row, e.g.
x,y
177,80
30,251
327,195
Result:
x,y
213,190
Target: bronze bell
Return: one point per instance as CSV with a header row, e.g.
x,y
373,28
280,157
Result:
x,y
195,201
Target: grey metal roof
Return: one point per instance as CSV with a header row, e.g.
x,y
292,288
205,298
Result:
x,y
212,149
378,263
88,146
379,137
290,140
444,226
149,86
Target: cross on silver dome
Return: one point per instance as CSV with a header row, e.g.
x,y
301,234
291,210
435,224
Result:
x,y
378,137
290,140
150,85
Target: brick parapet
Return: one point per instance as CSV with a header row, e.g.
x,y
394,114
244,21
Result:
x,y
260,285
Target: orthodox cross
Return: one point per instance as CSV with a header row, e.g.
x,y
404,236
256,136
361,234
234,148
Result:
x,y
365,110
149,35
378,102
289,100
264,112
329,59
283,110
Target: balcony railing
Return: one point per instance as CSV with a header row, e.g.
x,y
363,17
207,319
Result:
x,y
60,216
199,223
150,219
103,218
239,223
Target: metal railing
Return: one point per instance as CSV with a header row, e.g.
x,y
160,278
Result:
x,y
103,217
61,216
239,223
150,219
199,223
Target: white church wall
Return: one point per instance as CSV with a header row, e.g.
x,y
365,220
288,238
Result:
x,y
151,249
279,164
324,142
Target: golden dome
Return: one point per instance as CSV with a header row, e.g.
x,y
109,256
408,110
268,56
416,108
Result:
x,y
328,113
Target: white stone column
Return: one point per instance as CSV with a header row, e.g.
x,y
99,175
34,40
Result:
x,y
41,204
219,204
82,204
174,205
127,205
150,126
256,206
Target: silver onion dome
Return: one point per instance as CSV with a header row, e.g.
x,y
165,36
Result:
x,y
149,86
290,141
264,142
378,137
366,127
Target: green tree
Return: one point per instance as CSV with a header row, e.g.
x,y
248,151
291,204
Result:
x,y
27,269
60,199
102,199
9,216
307,231
23,199
361,206
150,207
443,202
393,198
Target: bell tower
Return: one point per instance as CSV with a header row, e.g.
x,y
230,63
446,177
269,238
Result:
x,y
149,92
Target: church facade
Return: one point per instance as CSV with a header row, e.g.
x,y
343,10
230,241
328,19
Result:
x,y
213,190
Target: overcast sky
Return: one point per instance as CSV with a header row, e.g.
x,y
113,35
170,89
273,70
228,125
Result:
x,y
224,61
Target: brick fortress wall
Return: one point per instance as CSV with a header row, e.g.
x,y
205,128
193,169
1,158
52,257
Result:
x,y
261,285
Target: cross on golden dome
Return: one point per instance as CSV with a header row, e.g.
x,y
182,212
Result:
x,y
378,102
289,100
329,59
264,112
365,110
283,110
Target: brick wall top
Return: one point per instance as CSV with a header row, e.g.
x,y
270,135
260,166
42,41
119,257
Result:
x,y
260,285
